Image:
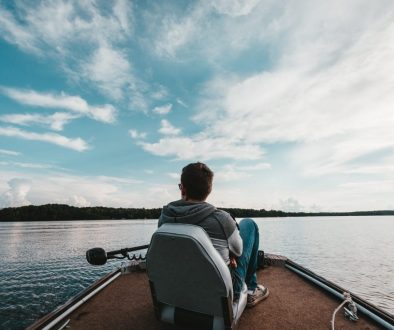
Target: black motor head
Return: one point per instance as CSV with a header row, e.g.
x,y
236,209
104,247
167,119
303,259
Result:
x,y
96,256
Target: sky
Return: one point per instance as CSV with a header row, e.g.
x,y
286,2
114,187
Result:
x,y
290,103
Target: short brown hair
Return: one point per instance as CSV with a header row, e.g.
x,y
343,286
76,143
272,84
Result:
x,y
197,179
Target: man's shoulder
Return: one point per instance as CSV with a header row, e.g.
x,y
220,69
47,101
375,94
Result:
x,y
226,221
223,214
225,217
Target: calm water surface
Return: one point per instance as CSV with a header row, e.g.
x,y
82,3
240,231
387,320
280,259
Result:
x,y
43,263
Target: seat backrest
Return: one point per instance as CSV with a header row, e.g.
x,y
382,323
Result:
x,y
186,270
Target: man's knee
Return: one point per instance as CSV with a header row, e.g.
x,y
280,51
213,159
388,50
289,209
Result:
x,y
248,225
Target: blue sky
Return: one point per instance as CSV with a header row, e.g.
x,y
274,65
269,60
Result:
x,y
291,103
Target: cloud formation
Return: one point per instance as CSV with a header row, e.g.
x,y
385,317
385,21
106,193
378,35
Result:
x,y
56,122
16,195
9,152
135,134
109,69
105,113
163,110
64,188
28,165
166,128
327,93
291,205
98,33
202,147
77,144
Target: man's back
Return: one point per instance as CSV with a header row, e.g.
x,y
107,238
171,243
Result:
x,y
219,225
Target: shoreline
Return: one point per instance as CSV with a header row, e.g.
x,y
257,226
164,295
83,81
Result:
x,y
62,212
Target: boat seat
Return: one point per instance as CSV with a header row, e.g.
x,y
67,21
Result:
x,y
190,283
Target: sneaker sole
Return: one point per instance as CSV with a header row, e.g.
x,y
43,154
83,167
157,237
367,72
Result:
x,y
255,302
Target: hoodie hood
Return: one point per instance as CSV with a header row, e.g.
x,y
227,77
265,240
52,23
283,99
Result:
x,y
186,212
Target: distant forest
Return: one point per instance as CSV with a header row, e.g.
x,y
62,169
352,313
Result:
x,y
66,212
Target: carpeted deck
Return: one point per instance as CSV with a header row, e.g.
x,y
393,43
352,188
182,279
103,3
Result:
x,y
293,304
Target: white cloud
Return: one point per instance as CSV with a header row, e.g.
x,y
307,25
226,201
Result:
x,y
65,188
136,134
14,33
235,7
28,165
81,22
109,69
16,195
175,32
163,110
196,32
167,128
55,121
78,201
202,147
119,180
179,101
291,205
77,144
123,13
105,113
9,152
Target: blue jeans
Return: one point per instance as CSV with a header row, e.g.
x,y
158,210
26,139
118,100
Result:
x,y
248,261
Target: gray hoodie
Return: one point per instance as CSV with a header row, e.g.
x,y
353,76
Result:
x,y
219,225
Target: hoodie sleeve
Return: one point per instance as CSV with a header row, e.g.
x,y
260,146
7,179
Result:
x,y
235,243
231,231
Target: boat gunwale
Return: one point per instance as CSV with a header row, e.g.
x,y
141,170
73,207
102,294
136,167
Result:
x,y
46,319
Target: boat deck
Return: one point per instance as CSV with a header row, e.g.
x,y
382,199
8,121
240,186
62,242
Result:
x,y
293,303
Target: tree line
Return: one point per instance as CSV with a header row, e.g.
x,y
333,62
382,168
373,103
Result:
x,y
50,212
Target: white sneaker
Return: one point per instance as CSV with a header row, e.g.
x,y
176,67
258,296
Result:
x,y
259,294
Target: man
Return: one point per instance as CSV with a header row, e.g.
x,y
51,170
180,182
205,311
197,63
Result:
x,y
238,245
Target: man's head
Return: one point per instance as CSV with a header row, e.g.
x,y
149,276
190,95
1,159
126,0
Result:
x,y
196,181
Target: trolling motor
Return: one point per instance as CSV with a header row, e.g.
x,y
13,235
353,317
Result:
x,y
98,256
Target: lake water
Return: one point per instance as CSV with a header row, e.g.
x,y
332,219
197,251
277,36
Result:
x,y
43,263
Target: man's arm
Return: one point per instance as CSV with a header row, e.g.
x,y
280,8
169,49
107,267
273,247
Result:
x,y
231,231
235,243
